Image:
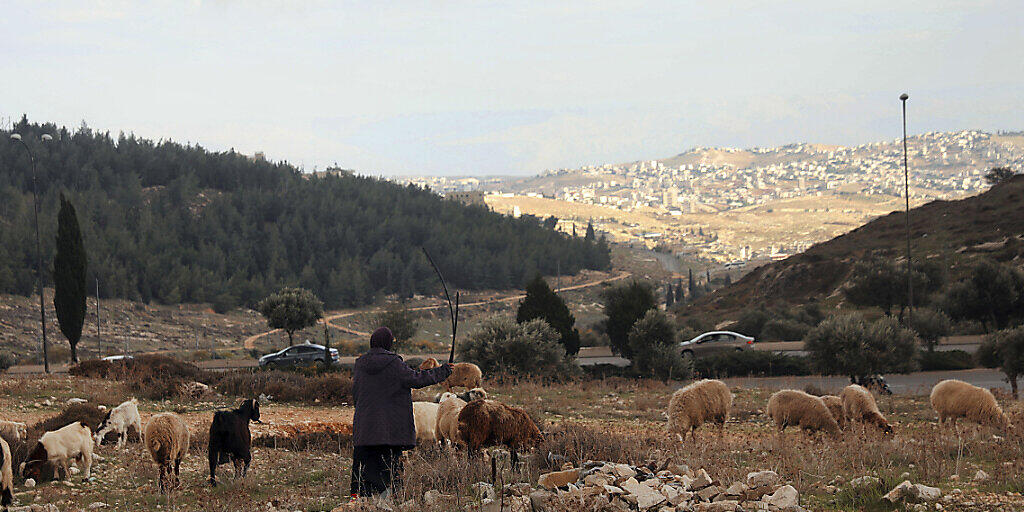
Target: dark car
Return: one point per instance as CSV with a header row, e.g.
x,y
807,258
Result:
x,y
298,355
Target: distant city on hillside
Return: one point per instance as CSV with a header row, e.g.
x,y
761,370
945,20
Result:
x,y
699,201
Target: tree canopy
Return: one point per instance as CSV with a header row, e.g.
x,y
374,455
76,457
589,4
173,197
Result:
x,y
542,302
1005,350
624,304
990,293
175,223
69,279
848,345
291,309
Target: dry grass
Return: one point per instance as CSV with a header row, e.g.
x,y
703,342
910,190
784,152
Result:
x,y
303,462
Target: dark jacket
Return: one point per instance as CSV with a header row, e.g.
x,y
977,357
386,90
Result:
x,y
380,391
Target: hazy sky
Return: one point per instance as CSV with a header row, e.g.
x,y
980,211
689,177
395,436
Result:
x,y
514,87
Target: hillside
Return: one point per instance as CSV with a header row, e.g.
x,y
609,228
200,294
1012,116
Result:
x,y
172,223
952,231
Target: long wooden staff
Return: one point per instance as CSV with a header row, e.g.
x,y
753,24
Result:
x,y
453,311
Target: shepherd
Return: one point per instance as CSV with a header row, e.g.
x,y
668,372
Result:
x,y
383,425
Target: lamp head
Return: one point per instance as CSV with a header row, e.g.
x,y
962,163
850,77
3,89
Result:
x,y
903,97
15,136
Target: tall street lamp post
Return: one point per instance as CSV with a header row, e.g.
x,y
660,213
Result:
x,y
39,249
906,195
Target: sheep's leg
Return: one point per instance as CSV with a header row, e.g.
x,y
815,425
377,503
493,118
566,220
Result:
x,y
213,467
164,474
87,460
245,468
238,467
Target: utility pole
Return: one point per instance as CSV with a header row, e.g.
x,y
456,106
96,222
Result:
x,y
906,194
99,340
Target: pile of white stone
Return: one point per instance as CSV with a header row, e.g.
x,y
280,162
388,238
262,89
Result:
x,y
610,486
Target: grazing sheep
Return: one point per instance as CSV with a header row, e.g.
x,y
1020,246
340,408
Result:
x,y
448,418
467,375
424,415
954,399
230,439
466,396
13,430
118,420
835,406
429,363
793,407
700,402
58,447
167,440
859,405
6,475
490,423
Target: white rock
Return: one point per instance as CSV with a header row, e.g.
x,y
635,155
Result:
x,y
97,504
30,482
762,478
74,470
785,496
645,496
980,476
926,493
864,481
623,471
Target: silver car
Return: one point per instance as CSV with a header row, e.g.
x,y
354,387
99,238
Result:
x,y
715,342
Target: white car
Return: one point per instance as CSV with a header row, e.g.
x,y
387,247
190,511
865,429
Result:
x,y
715,342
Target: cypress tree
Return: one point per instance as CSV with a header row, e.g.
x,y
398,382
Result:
x,y
590,236
541,302
69,276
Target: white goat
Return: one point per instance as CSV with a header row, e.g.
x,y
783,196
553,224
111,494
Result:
x,y
118,420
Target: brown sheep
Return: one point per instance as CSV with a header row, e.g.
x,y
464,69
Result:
x,y
700,402
835,406
167,438
491,423
448,418
429,363
859,405
954,399
467,375
793,407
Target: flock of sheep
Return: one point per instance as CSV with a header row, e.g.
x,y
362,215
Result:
x,y
166,437
467,420
709,401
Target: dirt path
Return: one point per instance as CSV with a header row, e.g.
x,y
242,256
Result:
x,y
250,342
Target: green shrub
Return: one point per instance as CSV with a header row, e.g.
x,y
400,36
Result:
x,y
334,388
945,360
750,363
501,346
783,329
848,345
7,360
652,342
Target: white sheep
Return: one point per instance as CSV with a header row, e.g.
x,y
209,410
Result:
x,y
859,405
954,399
6,475
118,420
167,439
794,407
13,430
448,418
700,402
424,416
59,447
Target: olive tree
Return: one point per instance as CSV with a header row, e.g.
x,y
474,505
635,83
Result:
x,y
290,310
848,345
652,341
930,325
531,348
991,293
1004,350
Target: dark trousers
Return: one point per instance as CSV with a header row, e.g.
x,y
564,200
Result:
x,y
375,469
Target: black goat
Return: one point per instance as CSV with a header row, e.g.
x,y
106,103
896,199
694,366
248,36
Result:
x,y
230,439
